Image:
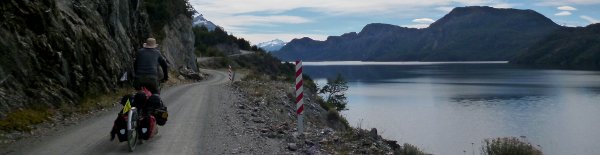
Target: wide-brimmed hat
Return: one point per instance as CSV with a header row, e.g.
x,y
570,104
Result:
x,y
150,43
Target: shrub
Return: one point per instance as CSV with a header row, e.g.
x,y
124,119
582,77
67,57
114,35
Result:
x,y
162,12
337,121
409,149
508,146
335,93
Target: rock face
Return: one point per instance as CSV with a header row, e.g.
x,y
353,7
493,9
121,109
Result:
x,y
465,34
178,45
55,52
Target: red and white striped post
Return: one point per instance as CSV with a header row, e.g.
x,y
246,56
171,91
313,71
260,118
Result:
x,y
299,96
230,74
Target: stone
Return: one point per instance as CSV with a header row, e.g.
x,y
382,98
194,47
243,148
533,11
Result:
x,y
258,121
292,146
241,106
373,133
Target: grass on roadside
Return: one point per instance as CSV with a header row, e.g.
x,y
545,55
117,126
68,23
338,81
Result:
x,y
24,119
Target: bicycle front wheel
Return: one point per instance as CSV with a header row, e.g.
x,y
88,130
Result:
x,y
132,135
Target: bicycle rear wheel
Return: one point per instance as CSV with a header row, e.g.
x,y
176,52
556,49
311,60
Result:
x,y
132,134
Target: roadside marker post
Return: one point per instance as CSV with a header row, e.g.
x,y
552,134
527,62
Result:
x,y
230,74
299,96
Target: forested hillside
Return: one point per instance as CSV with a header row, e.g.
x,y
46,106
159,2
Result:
x,y
577,48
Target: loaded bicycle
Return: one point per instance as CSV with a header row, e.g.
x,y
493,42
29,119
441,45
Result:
x,y
138,120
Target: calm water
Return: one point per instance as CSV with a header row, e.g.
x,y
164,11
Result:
x,y
444,108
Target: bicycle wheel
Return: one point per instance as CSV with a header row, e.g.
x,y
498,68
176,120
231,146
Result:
x,y
132,134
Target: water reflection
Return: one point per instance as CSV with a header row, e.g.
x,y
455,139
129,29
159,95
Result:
x,y
443,108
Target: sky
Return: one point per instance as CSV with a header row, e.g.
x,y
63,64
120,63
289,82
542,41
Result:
x,y
264,20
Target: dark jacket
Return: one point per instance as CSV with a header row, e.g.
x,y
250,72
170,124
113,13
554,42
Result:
x,y
146,62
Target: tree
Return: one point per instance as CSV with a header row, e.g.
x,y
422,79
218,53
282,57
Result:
x,y
335,90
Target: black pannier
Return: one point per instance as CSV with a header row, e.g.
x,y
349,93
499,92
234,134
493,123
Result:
x,y
120,127
139,100
161,115
158,109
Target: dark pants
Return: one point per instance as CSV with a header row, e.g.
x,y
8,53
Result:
x,y
150,82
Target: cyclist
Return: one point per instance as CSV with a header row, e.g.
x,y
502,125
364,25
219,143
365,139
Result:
x,y
146,72
145,67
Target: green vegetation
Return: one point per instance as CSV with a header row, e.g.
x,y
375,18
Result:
x,y
409,149
264,63
336,120
161,12
206,41
23,119
335,93
577,48
508,146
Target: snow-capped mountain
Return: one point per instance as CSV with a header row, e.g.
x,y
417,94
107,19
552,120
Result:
x,y
200,20
273,45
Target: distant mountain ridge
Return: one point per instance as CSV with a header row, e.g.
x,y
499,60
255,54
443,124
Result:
x,y
574,48
273,45
465,34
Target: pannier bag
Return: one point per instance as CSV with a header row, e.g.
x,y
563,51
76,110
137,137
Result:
x,y
158,109
139,99
161,115
147,127
120,127
154,102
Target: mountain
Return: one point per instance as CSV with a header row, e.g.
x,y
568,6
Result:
x,y
465,34
273,45
201,21
577,48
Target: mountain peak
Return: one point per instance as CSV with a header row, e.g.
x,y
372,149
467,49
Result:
x,y
273,45
489,17
201,21
379,28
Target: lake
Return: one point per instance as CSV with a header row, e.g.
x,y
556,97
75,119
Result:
x,y
450,108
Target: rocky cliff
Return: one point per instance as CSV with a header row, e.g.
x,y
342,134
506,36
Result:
x,y
56,52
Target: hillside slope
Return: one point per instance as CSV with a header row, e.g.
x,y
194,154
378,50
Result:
x,y
577,48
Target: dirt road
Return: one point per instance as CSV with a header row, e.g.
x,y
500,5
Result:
x,y
191,128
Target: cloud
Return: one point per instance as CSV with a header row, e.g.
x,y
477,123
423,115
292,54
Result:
x,y
419,26
242,16
590,19
423,20
248,20
503,5
566,8
445,8
565,2
563,13
334,7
